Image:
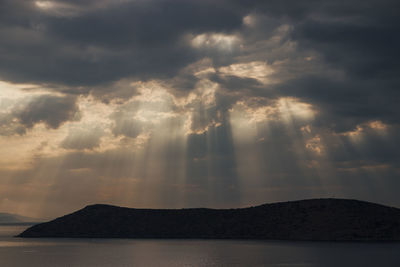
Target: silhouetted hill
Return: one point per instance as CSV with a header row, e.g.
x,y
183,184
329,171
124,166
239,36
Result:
x,y
315,219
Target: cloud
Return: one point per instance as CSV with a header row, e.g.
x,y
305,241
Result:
x,y
215,103
83,139
130,128
50,110
128,39
9,126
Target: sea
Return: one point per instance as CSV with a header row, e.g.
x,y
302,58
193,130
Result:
x,y
170,252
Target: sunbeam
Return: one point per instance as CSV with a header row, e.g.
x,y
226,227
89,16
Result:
x,y
149,104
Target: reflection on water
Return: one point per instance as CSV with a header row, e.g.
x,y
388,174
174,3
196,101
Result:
x,y
131,252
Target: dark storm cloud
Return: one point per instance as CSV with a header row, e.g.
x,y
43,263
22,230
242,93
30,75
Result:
x,y
48,109
361,41
364,50
98,42
105,42
354,46
133,38
51,110
343,104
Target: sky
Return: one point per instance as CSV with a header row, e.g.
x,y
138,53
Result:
x,y
184,103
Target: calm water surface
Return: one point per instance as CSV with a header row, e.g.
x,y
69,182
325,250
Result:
x,y
122,252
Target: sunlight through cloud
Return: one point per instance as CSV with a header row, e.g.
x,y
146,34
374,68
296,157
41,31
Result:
x,y
219,41
256,70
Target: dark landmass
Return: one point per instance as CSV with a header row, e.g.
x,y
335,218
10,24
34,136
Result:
x,y
314,219
12,219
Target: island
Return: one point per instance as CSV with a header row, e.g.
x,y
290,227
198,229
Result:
x,y
312,219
